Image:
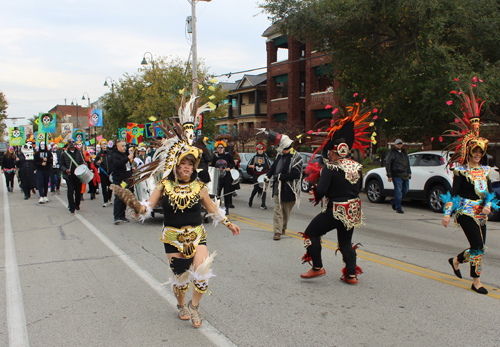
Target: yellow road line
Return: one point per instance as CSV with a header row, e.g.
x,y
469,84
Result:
x,y
393,263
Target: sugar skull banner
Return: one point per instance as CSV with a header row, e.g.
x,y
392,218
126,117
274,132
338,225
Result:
x,y
95,118
158,132
66,131
150,130
122,134
17,136
47,122
79,135
39,137
135,133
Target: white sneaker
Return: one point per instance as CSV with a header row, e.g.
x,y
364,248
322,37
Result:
x,y
105,204
46,199
41,200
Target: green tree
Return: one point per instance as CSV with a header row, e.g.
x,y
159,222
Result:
x,y
402,56
154,91
3,114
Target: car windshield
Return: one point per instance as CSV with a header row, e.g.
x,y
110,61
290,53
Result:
x,y
3,145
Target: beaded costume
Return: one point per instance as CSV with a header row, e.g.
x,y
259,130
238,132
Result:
x,y
471,191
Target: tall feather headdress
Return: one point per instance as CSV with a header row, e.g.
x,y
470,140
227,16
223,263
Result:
x,y
467,132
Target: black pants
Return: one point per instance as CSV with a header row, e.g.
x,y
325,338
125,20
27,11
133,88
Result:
x,y
55,179
319,226
9,179
119,206
74,192
477,238
105,183
225,183
258,190
42,179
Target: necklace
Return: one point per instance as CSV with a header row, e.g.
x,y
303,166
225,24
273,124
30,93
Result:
x,y
182,196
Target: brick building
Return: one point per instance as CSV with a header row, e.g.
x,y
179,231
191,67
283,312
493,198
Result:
x,y
77,115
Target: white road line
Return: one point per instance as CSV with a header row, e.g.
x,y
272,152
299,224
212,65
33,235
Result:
x,y
16,320
206,329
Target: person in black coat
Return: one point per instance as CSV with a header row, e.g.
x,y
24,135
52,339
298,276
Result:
x,y
102,162
205,161
257,166
122,170
55,173
223,161
398,171
43,164
26,167
72,181
9,168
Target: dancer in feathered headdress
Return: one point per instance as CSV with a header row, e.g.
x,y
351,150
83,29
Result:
x,y
184,236
339,185
471,198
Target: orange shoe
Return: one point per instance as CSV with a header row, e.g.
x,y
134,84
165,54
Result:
x,y
311,273
349,280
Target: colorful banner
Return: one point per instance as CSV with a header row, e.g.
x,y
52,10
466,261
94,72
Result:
x,y
79,135
17,136
47,122
66,131
39,137
158,132
28,132
99,138
95,117
150,130
135,133
122,134
92,141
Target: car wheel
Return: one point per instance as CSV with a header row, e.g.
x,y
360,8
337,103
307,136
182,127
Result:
x,y
305,185
374,191
434,198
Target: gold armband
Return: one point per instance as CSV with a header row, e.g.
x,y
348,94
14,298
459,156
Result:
x,y
226,222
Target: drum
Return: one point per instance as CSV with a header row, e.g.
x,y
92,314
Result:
x,y
213,185
236,176
84,174
261,181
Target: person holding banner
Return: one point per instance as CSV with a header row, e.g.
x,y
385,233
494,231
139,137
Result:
x,y
70,159
43,164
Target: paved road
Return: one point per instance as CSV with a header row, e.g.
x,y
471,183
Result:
x,y
82,281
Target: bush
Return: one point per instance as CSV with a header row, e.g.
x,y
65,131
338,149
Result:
x,y
382,153
413,150
367,161
307,149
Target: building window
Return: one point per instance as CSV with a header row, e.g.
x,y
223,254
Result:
x,y
280,117
251,98
281,86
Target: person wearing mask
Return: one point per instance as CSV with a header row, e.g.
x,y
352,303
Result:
x,y
26,167
398,171
55,173
257,166
9,168
223,161
122,170
70,159
103,163
43,164
286,172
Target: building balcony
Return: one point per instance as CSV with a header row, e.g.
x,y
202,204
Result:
x,y
321,99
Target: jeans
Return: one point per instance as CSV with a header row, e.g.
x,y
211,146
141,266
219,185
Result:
x,y
42,179
401,187
55,180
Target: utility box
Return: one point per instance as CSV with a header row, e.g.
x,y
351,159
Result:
x,y
189,24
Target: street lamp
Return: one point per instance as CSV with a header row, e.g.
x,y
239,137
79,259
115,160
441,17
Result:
x,y
77,120
88,97
145,62
112,84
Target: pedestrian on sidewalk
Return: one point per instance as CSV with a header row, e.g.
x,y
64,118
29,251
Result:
x,y
43,164
471,197
9,168
398,170
26,167
256,167
340,180
122,170
70,159
286,173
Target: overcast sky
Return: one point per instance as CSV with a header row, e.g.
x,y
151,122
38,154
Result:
x,y
54,50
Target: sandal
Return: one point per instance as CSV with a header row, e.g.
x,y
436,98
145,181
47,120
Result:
x,y
183,312
195,315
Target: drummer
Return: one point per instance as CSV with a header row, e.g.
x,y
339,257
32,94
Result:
x,y
73,183
224,162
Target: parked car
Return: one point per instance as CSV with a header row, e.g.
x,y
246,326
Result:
x,y
245,159
305,161
430,178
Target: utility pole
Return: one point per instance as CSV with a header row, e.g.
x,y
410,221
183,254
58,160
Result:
x,y
195,49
